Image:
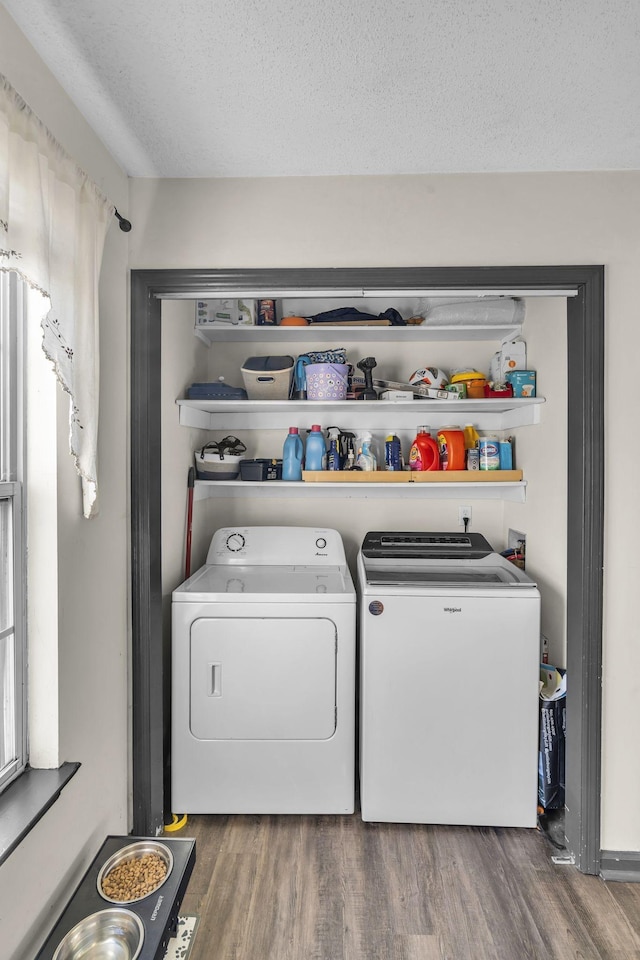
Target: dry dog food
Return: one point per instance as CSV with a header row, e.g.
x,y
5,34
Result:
x,y
134,878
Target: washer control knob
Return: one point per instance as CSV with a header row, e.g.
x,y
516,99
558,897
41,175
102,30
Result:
x,y
321,543
235,542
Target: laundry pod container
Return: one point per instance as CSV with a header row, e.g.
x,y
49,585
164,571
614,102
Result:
x,y
267,378
327,381
473,380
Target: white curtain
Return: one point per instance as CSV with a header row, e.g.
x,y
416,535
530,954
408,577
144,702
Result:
x,y
53,223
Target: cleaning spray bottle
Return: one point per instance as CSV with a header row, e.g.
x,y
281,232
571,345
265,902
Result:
x,y
366,458
333,457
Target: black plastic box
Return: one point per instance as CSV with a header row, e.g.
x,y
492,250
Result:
x,y
261,469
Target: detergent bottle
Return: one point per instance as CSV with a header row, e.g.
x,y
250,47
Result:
x,y
471,436
424,453
292,456
333,457
392,453
366,458
315,455
452,449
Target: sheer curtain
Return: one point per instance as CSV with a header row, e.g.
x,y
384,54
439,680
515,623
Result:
x,y
53,223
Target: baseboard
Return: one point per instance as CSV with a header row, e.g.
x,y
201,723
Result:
x,y
620,865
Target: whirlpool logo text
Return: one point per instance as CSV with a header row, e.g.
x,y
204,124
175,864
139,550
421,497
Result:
x,y
452,609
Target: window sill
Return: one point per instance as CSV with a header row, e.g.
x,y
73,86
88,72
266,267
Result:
x,y
26,800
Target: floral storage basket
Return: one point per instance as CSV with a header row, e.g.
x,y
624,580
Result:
x,y
327,381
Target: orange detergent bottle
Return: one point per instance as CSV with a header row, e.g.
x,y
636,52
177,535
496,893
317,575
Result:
x,y
424,453
451,446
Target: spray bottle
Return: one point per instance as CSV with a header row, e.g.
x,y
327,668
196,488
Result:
x,y
333,457
366,458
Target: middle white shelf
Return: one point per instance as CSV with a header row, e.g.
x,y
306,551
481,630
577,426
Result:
x,y
488,414
278,489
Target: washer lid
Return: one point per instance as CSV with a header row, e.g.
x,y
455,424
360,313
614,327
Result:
x,y
424,545
490,571
223,583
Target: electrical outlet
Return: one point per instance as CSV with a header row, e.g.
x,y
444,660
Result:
x,y
464,513
516,539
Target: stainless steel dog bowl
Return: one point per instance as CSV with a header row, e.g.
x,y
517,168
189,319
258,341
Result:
x,y
132,852
113,934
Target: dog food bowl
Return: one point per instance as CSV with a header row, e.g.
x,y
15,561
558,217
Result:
x,y
138,865
113,934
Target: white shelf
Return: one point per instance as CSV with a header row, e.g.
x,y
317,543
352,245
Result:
x,y
323,333
283,490
231,415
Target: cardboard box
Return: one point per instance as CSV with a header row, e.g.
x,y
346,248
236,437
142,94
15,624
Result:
x,y
396,395
523,382
225,313
511,356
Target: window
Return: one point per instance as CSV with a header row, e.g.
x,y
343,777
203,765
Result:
x,y
13,739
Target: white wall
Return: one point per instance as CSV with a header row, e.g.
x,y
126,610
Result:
x,y
39,876
454,220
353,518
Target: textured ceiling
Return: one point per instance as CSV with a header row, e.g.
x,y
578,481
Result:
x,y
252,88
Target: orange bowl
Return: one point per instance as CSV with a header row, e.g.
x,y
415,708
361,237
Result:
x,y
294,322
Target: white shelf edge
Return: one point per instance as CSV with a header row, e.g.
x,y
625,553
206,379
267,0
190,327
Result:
x,y
278,489
281,414
322,332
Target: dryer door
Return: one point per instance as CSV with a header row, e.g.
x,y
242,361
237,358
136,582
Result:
x,y
263,678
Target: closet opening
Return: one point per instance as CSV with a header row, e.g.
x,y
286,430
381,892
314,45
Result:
x,y
583,289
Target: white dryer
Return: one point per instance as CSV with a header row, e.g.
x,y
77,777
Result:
x,y
449,661
263,676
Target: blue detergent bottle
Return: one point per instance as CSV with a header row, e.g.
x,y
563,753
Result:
x,y
292,456
315,455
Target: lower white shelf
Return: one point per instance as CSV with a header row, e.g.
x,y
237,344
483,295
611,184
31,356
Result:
x,y
279,489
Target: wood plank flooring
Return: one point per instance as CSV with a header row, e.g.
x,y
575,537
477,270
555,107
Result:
x,y
335,888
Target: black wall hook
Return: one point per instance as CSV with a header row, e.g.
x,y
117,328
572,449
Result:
x,y
125,225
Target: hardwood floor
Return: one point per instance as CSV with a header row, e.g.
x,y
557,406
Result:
x,y
335,888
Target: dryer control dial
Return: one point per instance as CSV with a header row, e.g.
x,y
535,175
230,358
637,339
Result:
x,y
235,542
321,543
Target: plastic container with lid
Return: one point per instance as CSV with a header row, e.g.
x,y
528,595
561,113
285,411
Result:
x,y
489,447
267,378
474,380
424,453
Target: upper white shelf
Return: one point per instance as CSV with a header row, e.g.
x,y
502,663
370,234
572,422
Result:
x,y
324,333
489,414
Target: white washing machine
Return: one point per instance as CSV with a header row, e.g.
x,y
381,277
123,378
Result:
x,y
263,676
449,668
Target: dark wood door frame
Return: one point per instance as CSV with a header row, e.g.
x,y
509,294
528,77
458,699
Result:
x,y
585,334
